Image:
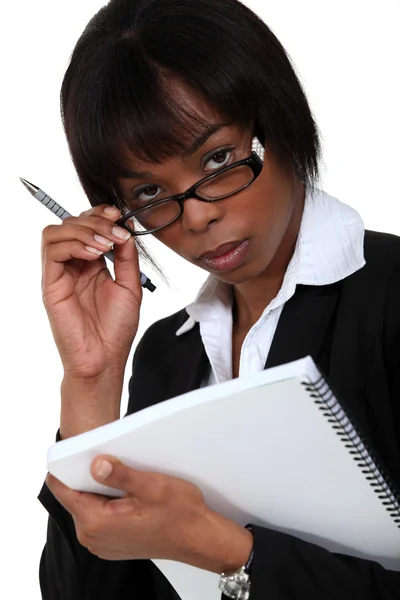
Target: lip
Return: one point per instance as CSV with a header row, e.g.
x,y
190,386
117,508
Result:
x,y
226,257
220,250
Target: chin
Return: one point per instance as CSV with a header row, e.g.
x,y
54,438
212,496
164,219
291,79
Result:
x,y
242,275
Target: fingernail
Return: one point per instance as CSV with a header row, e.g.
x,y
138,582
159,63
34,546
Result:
x,y
103,241
93,250
110,210
120,233
104,468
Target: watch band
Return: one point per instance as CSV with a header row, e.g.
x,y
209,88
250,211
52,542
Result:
x,y
249,564
237,584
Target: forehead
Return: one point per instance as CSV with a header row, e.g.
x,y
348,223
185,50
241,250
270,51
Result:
x,y
186,120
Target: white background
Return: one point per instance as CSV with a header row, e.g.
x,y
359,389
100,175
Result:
x,y
347,54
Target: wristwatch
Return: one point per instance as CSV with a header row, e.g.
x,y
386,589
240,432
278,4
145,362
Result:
x,y
237,584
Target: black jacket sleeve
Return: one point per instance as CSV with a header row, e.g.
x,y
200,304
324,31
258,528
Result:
x,y
70,572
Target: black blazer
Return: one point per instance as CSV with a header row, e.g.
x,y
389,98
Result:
x,y
352,330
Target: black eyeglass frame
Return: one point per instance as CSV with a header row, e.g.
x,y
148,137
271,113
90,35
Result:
x,y
253,161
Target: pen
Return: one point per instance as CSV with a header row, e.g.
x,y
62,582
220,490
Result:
x,y
60,212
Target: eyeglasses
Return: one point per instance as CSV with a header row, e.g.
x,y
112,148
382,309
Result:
x,y
222,184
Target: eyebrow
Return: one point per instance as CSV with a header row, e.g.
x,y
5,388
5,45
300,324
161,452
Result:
x,y
197,144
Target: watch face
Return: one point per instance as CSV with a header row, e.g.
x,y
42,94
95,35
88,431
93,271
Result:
x,y
236,586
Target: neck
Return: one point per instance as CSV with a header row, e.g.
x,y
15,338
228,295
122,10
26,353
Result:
x,y
252,297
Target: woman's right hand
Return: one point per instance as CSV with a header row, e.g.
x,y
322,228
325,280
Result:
x,y
93,318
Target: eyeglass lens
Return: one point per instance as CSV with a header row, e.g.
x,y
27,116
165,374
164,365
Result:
x,y
219,187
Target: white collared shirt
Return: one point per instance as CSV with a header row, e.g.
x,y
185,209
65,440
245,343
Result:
x,y
330,247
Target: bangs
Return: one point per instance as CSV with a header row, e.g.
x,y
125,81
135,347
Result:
x,y
125,92
138,109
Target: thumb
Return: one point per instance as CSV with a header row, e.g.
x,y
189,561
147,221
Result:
x,y
110,471
126,266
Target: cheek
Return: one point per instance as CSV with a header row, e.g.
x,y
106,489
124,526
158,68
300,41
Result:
x,y
269,212
272,198
171,237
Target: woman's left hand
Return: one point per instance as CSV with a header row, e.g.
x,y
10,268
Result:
x,y
158,517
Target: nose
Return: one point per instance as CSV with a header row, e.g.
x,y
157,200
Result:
x,y
198,216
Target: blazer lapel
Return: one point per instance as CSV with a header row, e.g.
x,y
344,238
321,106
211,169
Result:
x,y
303,324
190,364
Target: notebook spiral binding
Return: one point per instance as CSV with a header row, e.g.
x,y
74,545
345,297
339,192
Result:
x,y
345,429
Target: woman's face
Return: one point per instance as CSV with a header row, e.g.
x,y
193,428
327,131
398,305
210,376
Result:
x,y
257,221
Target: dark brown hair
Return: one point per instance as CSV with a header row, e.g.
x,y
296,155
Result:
x,y
118,90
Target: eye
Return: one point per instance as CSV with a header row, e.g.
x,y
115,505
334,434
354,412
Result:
x,y
146,194
218,159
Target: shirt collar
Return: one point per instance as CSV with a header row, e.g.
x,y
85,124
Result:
x,y
330,247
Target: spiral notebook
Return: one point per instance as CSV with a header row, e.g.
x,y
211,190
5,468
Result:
x,y
275,449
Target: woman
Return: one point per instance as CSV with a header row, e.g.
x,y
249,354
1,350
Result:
x,y
159,96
